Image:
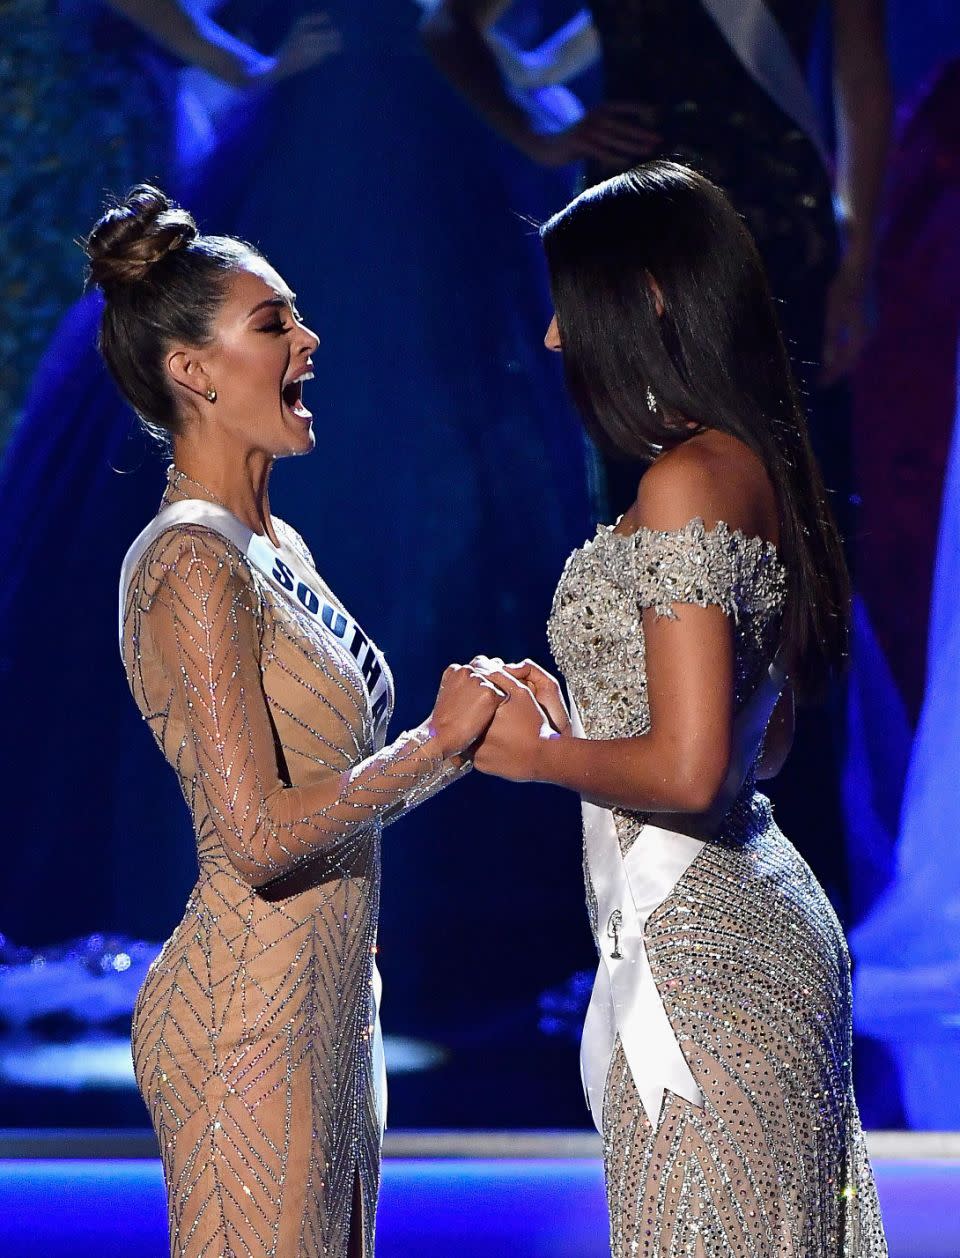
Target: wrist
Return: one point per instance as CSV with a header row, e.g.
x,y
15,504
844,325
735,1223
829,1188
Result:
x,y
259,70
544,758
524,136
436,741
857,242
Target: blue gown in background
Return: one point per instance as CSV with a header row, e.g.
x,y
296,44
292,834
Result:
x,y
85,107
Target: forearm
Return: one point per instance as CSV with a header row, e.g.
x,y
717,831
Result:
x,y
459,48
294,824
643,774
862,160
196,39
863,112
564,55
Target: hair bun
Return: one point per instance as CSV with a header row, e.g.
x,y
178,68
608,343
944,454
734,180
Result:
x,y
132,237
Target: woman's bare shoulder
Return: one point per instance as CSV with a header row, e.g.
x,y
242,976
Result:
x,y
713,477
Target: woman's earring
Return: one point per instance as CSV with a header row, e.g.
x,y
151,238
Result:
x,y
651,401
211,395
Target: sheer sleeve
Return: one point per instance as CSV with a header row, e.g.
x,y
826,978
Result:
x,y
204,626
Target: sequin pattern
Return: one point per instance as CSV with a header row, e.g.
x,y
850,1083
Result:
x,y
670,58
748,956
252,1033
85,103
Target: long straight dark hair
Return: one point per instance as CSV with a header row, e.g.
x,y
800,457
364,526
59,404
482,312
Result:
x,y
715,357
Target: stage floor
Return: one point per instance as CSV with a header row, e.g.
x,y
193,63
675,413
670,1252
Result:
x,y
529,1195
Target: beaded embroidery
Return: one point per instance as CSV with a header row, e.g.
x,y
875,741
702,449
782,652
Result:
x,y
253,1034
747,952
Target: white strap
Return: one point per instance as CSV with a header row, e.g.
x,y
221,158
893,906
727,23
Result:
x,y
754,34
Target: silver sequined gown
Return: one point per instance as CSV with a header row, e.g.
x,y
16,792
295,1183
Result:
x,y
252,1032
747,954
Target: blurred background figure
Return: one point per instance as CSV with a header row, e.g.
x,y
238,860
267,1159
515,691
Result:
x,y
108,94
698,81
88,94
723,87
901,780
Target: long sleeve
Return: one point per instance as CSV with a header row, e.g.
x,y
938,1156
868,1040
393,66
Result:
x,y
203,624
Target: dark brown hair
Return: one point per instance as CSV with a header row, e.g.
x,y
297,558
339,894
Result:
x,y
715,356
163,284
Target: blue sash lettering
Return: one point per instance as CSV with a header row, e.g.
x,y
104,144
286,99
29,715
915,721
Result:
x,y
308,598
371,671
334,620
282,574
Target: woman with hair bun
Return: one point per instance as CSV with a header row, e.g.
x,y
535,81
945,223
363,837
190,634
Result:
x,y
256,1037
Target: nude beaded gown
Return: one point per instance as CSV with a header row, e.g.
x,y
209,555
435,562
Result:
x,y
253,1034
746,952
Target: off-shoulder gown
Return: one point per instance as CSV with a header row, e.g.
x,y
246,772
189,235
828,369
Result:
x,y
748,957
254,1033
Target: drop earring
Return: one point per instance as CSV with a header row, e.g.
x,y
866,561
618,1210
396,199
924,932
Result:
x,y
651,401
211,395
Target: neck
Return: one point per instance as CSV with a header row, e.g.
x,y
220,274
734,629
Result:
x,y
239,483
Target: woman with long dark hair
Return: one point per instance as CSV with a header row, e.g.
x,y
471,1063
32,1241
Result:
x,y
716,1050
256,1040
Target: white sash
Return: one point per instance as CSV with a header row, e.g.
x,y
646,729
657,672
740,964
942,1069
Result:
x,y
755,36
287,573
625,1000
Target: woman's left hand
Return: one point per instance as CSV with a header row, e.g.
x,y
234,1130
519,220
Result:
x,y
511,746
546,690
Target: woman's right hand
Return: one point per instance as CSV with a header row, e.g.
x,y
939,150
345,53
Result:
x,y
312,39
611,134
466,703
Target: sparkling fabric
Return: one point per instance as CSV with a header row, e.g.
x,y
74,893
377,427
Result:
x,y
669,57
252,1033
747,954
84,102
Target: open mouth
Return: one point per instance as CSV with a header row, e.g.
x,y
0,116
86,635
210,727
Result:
x,y
292,394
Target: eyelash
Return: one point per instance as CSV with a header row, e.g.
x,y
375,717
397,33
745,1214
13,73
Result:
x,y
279,327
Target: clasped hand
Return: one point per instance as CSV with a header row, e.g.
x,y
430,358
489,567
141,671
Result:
x,y
499,715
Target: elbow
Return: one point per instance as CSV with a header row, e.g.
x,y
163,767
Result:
x,y
698,783
695,797
241,849
254,874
